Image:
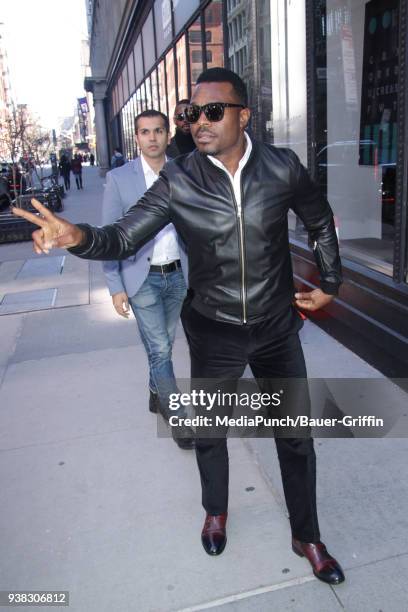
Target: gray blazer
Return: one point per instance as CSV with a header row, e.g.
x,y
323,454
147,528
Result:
x,y
124,187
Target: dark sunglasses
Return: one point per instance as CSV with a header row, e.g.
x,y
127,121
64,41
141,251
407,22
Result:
x,y
214,111
180,117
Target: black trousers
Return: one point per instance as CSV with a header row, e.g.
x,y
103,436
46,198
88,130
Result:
x,y
67,181
78,180
272,349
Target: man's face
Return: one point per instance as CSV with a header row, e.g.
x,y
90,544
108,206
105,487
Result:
x,y
152,137
218,137
181,124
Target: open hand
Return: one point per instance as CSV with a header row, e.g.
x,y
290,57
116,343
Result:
x,y
54,231
312,300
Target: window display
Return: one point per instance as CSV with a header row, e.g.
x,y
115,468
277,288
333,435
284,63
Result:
x,y
360,155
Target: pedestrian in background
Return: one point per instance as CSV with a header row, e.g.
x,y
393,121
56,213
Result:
x,y
92,159
182,141
76,167
117,158
152,282
65,171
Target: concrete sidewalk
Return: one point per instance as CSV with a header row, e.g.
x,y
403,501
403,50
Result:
x,y
95,504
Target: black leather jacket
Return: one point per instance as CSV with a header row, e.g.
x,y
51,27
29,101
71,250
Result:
x,y
239,265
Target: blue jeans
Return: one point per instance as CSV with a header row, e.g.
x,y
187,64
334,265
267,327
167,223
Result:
x,y
157,306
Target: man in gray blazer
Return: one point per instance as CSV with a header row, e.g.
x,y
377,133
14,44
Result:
x,y
152,282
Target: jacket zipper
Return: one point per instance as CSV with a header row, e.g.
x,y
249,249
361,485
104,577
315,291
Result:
x,y
241,250
319,257
241,240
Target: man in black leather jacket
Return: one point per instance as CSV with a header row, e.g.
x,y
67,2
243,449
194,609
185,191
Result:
x,y
229,200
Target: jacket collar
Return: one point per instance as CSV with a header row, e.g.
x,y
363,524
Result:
x,y
253,155
137,165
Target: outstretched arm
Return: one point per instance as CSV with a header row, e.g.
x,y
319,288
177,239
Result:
x,y
118,240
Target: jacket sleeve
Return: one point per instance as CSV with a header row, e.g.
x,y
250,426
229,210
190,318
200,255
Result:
x,y
111,210
126,236
317,216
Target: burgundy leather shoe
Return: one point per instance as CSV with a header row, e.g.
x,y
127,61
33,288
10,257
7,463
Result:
x,y
214,535
325,567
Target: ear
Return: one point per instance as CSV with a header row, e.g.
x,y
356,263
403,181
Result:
x,y
244,117
168,137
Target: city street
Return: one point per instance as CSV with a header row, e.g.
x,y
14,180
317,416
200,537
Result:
x,y
95,503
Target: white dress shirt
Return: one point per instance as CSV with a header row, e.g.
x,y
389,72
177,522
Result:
x,y
165,248
236,179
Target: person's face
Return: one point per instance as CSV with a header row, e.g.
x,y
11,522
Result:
x,y
218,137
181,124
152,137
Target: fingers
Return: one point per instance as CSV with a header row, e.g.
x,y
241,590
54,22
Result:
x,y
122,312
306,304
33,218
305,300
38,242
46,213
304,296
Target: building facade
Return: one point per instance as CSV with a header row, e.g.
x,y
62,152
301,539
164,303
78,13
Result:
x,y
327,78
6,97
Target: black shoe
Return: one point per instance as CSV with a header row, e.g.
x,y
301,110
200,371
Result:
x,y
154,402
325,567
183,437
214,534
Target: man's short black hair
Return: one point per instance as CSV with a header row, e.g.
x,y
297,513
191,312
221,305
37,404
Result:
x,y
223,75
183,101
153,113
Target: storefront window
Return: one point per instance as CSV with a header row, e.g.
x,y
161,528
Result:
x,y
125,81
143,96
120,91
249,55
139,68
130,130
139,101
162,18
182,68
148,94
149,53
125,131
356,162
132,123
214,25
195,44
115,100
183,9
161,82
237,17
131,74
171,83
155,93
